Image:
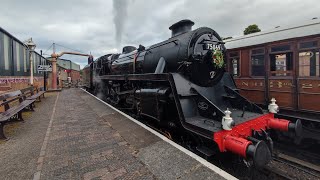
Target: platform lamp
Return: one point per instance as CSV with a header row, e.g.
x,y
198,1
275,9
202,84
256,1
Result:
x,y
31,46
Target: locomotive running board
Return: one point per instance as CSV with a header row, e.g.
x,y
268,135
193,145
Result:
x,y
136,77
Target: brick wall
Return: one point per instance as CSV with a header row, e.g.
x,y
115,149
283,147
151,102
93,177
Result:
x,y
13,83
75,75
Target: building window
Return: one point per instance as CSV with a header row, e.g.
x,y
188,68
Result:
x,y
235,62
281,64
309,63
257,62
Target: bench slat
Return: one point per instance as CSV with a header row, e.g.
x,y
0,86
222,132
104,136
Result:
x,y
35,96
27,89
14,110
9,95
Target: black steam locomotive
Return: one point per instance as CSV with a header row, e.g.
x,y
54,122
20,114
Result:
x,y
181,85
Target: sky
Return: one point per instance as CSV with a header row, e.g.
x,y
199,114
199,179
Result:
x,y
105,26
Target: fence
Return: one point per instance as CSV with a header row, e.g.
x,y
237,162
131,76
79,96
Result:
x,y
14,57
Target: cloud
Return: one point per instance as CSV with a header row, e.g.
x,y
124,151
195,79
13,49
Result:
x,y
101,27
119,17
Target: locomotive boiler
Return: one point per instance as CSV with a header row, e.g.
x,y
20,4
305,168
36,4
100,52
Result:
x,y
181,85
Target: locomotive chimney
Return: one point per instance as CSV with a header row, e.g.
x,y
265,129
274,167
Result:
x,y
181,27
128,49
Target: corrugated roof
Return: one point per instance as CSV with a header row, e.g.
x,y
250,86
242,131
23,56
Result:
x,y
67,64
281,33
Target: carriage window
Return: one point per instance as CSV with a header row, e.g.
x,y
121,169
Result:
x,y
310,44
234,59
309,63
257,62
281,64
235,66
280,48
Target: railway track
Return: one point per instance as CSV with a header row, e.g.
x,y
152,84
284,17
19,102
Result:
x,y
288,167
272,173
303,164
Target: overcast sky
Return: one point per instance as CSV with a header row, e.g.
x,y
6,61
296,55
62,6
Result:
x,y
104,26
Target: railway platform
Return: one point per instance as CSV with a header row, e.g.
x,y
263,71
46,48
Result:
x,y
73,135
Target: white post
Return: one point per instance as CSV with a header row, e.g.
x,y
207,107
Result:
x,y
31,46
31,69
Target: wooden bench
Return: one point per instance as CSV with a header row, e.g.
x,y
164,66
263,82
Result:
x,y
14,112
40,92
33,93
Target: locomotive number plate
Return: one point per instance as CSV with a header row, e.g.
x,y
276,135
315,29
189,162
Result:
x,y
209,46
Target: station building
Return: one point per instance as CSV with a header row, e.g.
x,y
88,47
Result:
x,y
66,68
15,63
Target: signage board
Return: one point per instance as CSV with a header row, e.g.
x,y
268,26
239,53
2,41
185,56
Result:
x,y
44,67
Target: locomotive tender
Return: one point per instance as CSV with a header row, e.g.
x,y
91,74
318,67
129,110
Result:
x,y
181,85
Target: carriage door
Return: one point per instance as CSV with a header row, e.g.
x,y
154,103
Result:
x,y
281,84
309,76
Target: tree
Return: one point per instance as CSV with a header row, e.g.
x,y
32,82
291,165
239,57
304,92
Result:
x,y
251,29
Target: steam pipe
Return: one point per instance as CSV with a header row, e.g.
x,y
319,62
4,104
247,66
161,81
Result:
x,y
72,53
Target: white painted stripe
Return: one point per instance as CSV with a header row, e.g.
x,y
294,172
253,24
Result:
x,y
189,153
18,56
6,51
37,175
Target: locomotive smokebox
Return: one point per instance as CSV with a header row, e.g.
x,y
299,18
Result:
x,y
181,27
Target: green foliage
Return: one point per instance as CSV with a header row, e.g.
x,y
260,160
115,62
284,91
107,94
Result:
x,y
218,58
251,29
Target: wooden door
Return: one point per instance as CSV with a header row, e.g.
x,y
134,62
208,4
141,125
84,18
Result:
x,y
252,89
309,94
281,83
282,89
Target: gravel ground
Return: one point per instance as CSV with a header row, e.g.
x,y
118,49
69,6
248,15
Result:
x,y
18,155
86,139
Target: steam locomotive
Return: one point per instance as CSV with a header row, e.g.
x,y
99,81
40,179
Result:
x,y
181,85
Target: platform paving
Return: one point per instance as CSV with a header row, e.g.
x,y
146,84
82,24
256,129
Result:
x,y
72,135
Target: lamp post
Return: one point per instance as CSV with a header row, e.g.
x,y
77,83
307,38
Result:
x,y
31,46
